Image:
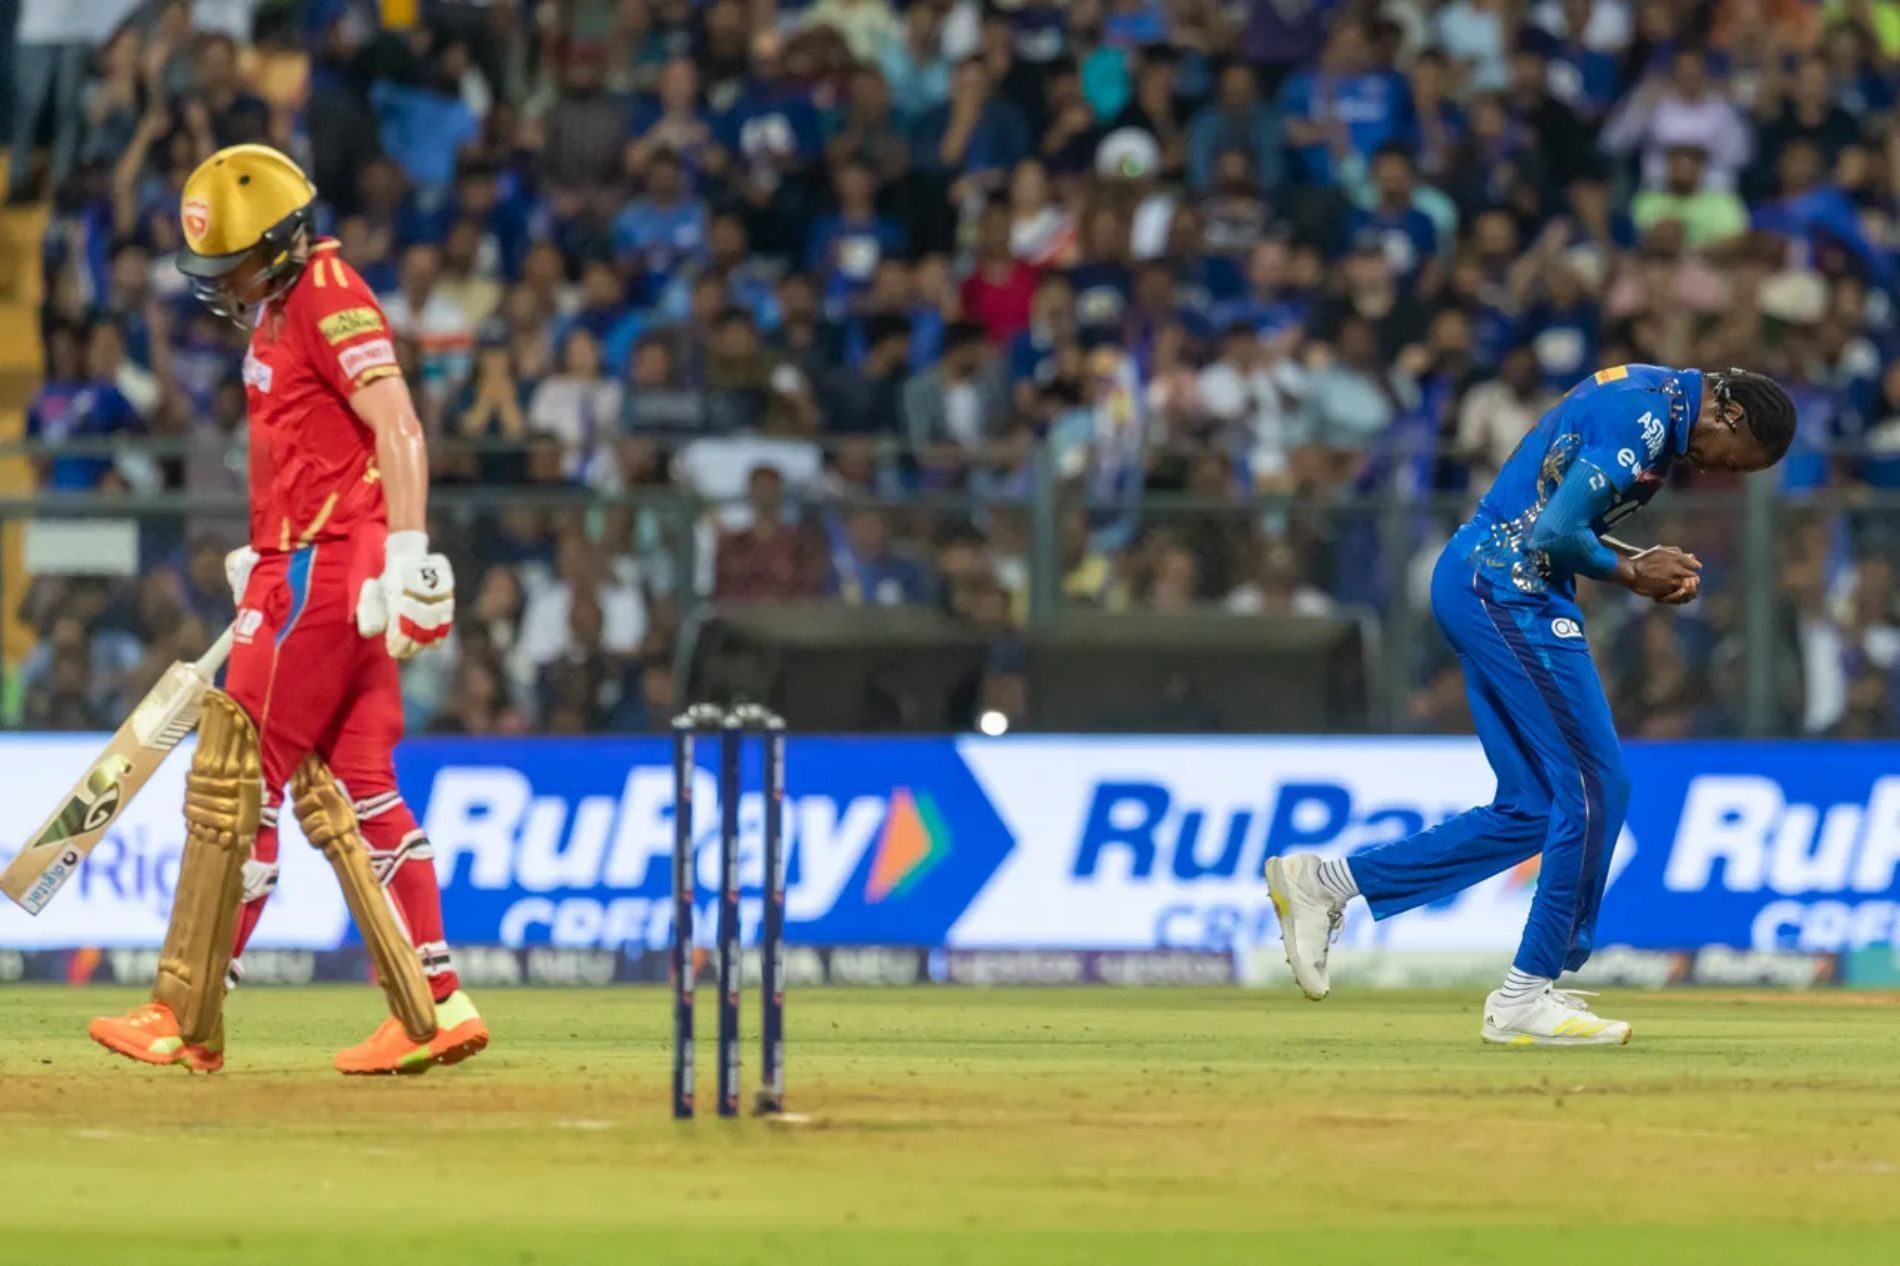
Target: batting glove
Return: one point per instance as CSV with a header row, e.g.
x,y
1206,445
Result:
x,y
412,604
238,565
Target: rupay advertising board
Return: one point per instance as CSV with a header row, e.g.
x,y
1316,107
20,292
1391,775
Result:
x,y
1057,842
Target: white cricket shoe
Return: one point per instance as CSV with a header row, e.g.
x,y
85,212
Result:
x,y
1310,916
1550,1017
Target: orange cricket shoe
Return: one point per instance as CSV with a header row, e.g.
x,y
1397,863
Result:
x,y
459,1033
149,1034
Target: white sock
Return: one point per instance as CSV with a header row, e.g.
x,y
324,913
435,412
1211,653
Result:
x,y
1335,876
1519,985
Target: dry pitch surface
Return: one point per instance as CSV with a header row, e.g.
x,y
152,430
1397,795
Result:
x,y
1022,1126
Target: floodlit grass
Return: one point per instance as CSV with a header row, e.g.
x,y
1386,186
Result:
x,y
949,1125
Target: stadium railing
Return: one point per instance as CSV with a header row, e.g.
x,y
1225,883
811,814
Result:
x,y
1006,544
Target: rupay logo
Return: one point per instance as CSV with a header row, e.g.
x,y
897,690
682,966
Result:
x,y
537,865
914,840
1743,828
1140,825
509,836
1834,867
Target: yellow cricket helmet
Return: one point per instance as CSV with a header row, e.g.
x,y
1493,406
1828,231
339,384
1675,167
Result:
x,y
244,201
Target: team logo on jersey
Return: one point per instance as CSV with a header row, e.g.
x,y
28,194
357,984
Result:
x,y
195,214
256,373
1652,434
347,324
375,354
1563,626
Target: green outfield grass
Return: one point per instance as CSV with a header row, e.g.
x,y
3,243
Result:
x,y
1019,1126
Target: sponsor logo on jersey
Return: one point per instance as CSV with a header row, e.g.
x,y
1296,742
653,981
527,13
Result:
x,y
256,373
341,326
196,216
244,628
1626,457
1563,626
1652,434
357,361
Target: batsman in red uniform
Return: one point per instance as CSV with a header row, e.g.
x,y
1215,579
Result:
x,y
336,586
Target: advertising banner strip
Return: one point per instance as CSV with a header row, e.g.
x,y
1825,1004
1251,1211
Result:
x,y
494,966
543,965
1052,843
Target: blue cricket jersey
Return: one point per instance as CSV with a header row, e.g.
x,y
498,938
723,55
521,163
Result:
x,y
1628,423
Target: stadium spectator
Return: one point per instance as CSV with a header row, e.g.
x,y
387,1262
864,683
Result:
x,y
1683,106
1001,286
971,142
1498,413
79,402
1041,230
1253,391
1709,217
916,66
866,570
953,407
848,244
1346,106
237,115
662,233
115,99
468,280
50,47
750,389
584,609
1348,404
868,400
582,137
1404,232
1236,120
428,313
578,690
1278,588
773,557
580,407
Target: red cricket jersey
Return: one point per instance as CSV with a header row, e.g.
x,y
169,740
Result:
x,y
313,462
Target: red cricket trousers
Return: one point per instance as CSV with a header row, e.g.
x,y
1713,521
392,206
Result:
x,y
313,684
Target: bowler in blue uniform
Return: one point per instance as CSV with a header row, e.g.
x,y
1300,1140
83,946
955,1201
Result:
x,y
1505,594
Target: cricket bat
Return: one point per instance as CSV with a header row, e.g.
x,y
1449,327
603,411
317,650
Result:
x,y
159,723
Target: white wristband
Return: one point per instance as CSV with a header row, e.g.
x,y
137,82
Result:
x,y
405,545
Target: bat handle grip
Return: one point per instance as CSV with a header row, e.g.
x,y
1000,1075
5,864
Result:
x,y
208,664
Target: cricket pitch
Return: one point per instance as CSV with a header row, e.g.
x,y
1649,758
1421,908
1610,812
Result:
x,y
983,1127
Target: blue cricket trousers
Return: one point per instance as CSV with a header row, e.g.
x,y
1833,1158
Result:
x,y
1562,787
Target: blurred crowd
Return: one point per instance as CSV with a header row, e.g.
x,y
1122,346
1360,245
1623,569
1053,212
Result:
x,y
811,295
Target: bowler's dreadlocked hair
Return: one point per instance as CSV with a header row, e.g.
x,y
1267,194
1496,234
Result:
x,y
1766,408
